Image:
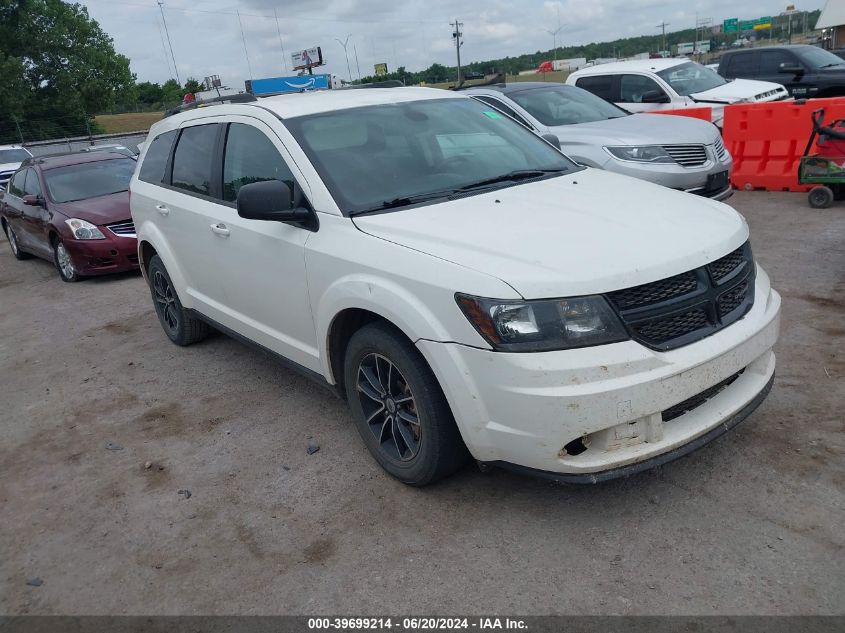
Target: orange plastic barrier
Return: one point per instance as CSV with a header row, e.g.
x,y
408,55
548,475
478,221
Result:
x,y
705,114
767,140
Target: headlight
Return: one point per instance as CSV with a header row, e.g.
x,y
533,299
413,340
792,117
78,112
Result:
x,y
549,324
84,230
641,154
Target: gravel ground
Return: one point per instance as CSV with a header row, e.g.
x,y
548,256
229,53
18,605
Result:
x,y
92,393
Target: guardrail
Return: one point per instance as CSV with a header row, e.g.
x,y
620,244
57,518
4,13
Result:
x,y
74,144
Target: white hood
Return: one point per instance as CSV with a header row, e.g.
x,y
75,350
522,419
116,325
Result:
x,y
588,232
742,90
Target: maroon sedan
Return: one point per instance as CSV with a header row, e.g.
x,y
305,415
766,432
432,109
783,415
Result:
x,y
72,210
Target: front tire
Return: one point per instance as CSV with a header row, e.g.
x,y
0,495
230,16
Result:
x,y
64,264
177,323
13,244
399,408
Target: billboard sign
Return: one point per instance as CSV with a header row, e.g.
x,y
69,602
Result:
x,y
307,58
381,69
280,85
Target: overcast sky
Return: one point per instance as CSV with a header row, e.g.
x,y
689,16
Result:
x,y
206,35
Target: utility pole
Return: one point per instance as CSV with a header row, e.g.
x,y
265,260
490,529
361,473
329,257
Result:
x,y
161,8
456,35
663,26
357,65
345,43
554,38
243,37
282,46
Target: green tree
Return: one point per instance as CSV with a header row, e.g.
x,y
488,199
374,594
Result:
x,y
66,68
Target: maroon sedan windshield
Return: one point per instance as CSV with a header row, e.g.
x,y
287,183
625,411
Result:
x,y
89,180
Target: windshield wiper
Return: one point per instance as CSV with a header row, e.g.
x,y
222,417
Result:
x,y
832,64
405,201
512,176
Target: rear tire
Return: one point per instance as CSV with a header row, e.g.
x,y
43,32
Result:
x,y
13,243
399,407
820,197
177,323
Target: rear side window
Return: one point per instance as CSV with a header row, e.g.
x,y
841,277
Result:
x,y
501,107
193,158
251,157
32,186
599,86
155,162
741,65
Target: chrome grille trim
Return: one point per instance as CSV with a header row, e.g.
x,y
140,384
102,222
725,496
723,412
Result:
x,y
122,229
687,155
719,146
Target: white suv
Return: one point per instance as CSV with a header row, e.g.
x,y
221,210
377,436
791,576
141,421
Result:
x,y
463,284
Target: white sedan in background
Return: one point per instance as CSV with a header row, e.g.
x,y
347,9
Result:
x,y
644,85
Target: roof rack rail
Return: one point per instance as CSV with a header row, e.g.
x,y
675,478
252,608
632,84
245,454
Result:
x,y
496,79
387,83
243,97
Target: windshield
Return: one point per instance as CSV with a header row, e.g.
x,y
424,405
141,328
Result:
x,y
565,105
89,180
13,155
690,78
820,58
374,155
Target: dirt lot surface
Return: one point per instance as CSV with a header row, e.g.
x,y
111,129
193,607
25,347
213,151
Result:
x,y
92,391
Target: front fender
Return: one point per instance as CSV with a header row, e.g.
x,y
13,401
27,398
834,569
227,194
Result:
x,y
386,298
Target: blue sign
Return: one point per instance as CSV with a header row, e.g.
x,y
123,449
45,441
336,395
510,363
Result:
x,y
278,85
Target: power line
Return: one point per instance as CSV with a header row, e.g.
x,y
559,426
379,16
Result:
x,y
176,70
663,26
246,52
282,46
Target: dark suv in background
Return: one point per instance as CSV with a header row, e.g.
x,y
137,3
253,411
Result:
x,y
806,71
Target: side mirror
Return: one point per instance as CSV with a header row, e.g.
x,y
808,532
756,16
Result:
x,y
33,201
551,139
272,200
791,68
655,96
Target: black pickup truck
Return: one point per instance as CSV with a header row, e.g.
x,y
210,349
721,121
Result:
x,y
805,71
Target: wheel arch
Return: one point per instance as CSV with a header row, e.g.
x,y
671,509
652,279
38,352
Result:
x,y
150,243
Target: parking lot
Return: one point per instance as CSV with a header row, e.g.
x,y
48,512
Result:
x,y
140,477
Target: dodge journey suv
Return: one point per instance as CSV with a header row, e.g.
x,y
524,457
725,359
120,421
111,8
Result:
x,y
467,288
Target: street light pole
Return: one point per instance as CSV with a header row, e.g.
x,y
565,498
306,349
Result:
x,y
344,43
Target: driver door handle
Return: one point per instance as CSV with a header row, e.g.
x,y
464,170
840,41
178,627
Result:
x,y
220,229
162,209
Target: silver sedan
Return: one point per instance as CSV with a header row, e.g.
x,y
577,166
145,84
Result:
x,y
675,151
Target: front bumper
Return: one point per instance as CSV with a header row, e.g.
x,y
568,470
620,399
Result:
x,y
100,257
527,410
674,176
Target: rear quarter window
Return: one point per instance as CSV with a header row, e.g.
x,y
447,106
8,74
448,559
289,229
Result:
x,y
155,161
741,65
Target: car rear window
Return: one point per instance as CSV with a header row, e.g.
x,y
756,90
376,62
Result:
x,y
14,155
741,64
155,162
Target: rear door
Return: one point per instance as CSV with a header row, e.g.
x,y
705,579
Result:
x,y
13,205
604,86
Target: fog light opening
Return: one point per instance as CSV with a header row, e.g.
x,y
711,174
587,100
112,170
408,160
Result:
x,y
575,447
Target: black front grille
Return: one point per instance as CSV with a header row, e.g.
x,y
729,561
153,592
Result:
x,y
655,292
698,399
723,267
679,310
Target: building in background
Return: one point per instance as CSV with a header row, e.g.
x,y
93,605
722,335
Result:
x,y
832,20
